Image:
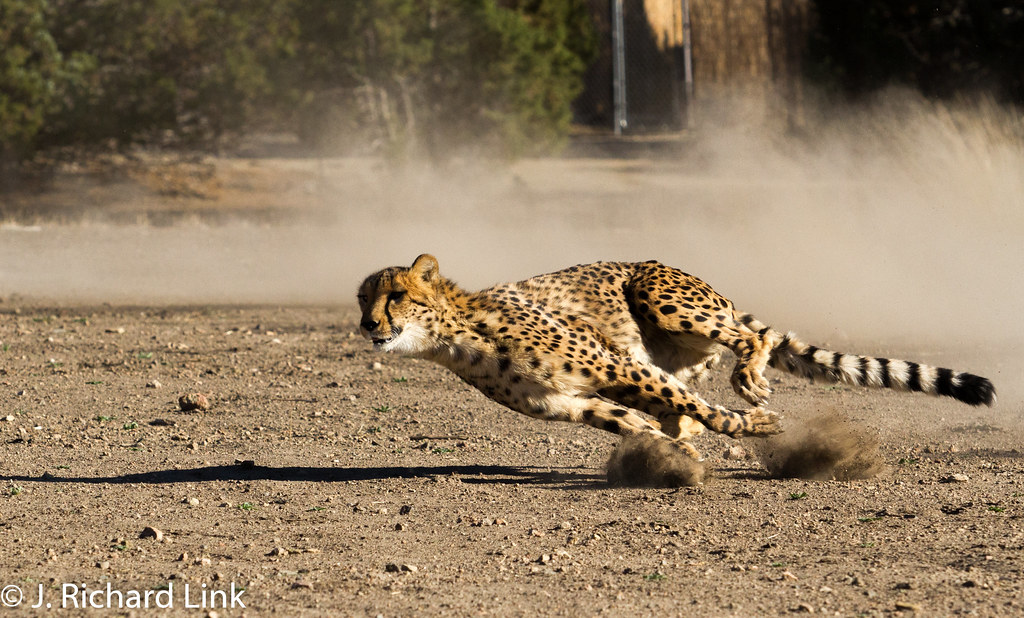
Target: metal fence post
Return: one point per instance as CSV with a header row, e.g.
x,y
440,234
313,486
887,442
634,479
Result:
x,y
687,66
618,67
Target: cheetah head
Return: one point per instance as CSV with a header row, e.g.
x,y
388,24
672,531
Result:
x,y
399,307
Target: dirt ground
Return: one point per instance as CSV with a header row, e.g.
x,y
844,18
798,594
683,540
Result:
x,y
320,468
326,479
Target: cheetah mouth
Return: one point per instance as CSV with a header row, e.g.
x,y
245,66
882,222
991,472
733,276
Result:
x,y
381,342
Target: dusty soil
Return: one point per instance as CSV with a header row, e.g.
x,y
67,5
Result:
x,y
327,479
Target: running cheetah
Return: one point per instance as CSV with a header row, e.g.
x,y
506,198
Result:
x,y
596,343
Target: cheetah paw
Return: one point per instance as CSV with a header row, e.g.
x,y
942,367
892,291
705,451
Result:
x,y
759,422
751,385
688,449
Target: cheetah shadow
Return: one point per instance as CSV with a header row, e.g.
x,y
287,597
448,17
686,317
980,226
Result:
x,y
565,478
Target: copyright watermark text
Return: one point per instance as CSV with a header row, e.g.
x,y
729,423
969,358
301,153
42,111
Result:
x,y
82,596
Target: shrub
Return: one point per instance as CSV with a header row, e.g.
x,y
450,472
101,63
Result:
x,y
34,75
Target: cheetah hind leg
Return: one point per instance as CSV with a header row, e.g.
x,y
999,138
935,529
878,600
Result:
x,y
754,351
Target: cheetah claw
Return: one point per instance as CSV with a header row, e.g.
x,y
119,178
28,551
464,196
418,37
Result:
x,y
752,386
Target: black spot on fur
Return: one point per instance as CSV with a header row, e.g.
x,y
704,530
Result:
x,y
611,426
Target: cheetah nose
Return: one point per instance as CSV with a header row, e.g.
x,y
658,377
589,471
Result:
x,y
369,325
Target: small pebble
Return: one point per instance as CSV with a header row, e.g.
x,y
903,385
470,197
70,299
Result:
x,y
735,453
193,401
392,567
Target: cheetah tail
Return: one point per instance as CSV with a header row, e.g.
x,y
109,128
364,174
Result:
x,y
796,357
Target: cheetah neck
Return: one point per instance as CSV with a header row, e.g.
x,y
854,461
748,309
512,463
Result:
x,y
461,334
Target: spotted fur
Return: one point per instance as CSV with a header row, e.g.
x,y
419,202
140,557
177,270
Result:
x,y
597,343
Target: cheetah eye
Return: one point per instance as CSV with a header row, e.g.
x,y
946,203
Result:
x,y
362,298
396,296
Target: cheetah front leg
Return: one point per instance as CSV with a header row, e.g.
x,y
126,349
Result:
x,y
600,413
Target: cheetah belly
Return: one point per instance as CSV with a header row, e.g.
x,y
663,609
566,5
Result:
x,y
682,354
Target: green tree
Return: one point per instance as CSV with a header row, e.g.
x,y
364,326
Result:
x,y
34,75
430,76
193,69
412,75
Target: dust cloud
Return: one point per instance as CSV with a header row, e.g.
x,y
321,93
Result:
x,y
824,447
644,461
900,221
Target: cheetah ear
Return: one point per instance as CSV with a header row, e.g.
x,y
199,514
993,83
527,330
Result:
x,y
425,268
